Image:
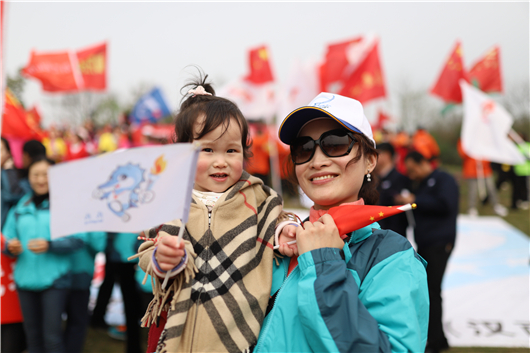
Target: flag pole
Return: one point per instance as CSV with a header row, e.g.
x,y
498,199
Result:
x,y
274,163
518,140
179,239
481,181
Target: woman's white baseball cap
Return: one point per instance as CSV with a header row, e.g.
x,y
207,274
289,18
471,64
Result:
x,y
346,111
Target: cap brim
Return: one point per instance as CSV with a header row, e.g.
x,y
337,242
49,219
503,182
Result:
x,y
293,122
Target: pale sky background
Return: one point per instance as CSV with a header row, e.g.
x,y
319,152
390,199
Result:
x,y
152,43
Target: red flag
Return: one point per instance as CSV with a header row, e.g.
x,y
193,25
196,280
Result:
x,y
93,66
447,86
486,73
33,119
58,72
336,62
14,120
260,69
366,81
382,118
349,218
10,312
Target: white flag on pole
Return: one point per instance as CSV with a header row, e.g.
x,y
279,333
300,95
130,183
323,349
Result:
x,y
124,191
485,128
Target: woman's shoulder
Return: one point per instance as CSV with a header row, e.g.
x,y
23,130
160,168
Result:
x,y
380,245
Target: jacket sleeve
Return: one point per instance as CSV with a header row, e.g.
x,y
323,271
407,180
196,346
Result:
x,y
381,317
9,230
67,244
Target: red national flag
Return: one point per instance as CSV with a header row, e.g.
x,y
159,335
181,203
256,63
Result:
x,y
58,72
349,218
447,86
15,122
336,62
486,73
260,69
93,66
366,82
33,119
382,118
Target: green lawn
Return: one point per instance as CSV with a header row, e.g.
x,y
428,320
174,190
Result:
x,y
518,218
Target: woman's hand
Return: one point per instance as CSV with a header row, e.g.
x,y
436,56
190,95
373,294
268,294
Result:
x,y
320,234
169,252
14,246
288,234
38,245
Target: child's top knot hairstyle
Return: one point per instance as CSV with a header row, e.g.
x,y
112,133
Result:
x,y
201,101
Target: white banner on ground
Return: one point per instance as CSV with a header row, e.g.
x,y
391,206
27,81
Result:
x,y
124,191
486,285
485,128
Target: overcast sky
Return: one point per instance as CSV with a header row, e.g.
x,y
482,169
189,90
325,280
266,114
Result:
x,y
152,43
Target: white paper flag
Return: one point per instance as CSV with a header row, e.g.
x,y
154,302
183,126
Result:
x,y
124,191
485,128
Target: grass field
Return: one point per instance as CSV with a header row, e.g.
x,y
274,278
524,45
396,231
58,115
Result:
x,y
99,342
520,219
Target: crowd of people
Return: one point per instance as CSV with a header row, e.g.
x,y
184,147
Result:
x,y
227,288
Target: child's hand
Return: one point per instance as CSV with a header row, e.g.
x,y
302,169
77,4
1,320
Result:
x,y
169,252
288,234
320,234
14,246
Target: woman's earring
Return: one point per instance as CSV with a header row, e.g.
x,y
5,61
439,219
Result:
x,y
368,177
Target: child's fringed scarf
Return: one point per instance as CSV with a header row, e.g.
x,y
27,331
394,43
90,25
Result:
x,y
218,302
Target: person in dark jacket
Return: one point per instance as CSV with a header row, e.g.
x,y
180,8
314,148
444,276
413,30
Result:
x,y
436,195
391,183
12,192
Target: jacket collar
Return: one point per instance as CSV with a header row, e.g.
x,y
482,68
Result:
x,y
363,233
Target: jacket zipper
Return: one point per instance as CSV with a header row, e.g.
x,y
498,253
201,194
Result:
x,y
210,208
265,329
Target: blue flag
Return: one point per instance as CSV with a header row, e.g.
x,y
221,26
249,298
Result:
x,y
151,107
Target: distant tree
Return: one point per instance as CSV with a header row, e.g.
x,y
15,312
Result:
x,y
75,108
16,85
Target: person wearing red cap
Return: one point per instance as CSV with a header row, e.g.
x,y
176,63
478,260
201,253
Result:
x,y
364,291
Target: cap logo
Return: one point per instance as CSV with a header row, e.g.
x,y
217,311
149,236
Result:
x,y
323,104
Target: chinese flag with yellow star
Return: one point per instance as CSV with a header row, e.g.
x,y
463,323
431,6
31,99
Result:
x,y
16,122
486,73
335,63
366,82
349,218
447,86
93,66
260,69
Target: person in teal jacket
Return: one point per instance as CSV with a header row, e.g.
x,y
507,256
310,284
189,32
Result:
x,y
360,292
82,268
43,271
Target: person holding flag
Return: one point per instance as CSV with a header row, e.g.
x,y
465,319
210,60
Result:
x,y
219,276
354,287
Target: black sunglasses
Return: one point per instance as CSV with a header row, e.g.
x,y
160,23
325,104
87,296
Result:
x,y
334,143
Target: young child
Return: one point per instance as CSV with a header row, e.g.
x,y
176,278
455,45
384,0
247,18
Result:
x,y
360,292
221,274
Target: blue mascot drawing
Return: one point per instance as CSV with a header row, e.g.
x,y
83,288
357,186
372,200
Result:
x,y
128,186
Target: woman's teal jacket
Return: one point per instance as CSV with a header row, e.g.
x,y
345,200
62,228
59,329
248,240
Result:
x,y
370,297
38,272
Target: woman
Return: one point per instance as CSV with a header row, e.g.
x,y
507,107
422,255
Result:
x,y
42,272
360,292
